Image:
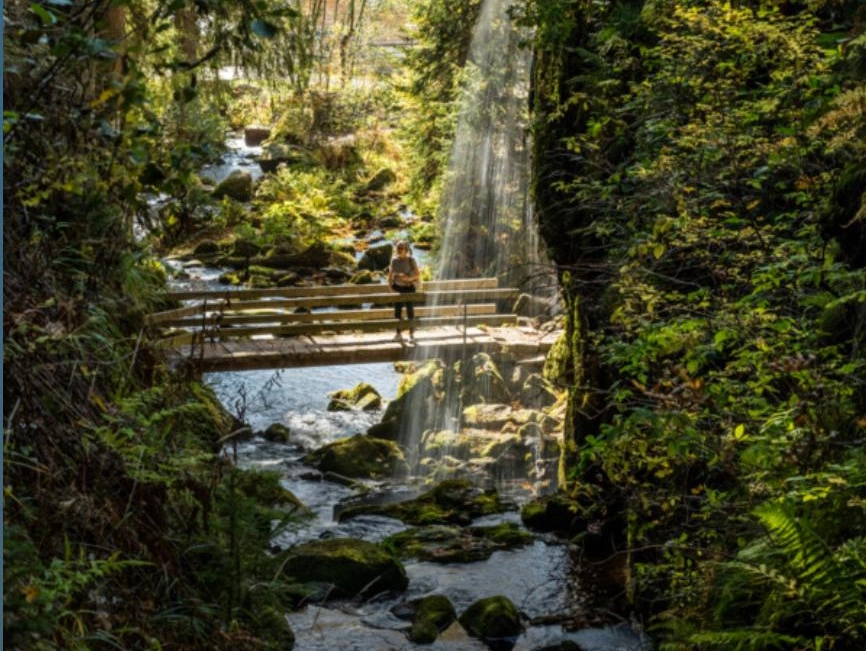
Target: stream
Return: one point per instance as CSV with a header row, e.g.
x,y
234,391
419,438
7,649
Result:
x,y
540,578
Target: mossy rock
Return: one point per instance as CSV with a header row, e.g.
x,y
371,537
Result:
x,y
277,433
349,566
363,396
364,277
245,249
359,456
450,544
558,364
482,381
550,513
494,620
453,501
376,258
316,256
238,186
537,393
431,615
265,488
419,392
380,180
206,249
232,278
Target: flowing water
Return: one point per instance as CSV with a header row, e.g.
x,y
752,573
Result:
x,y
488,231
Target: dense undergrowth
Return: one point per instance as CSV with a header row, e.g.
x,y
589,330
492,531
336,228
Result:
x,y
699,175
705,161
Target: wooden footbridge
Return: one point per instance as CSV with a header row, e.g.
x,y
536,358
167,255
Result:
x,y
243,329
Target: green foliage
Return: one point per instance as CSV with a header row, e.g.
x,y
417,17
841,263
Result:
x,y
443,33
687,155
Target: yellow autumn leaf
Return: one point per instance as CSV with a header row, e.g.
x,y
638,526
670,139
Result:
x,y
31,593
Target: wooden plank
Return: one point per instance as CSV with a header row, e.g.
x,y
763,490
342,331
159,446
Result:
x,y
356,349
310,303
325,290
271,317
300,329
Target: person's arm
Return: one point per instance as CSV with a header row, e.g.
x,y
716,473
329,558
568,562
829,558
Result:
x,y
391,277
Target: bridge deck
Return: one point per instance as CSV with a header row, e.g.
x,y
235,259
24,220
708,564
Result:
x,y
448,342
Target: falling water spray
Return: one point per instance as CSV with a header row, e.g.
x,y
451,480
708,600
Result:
x,y
487,222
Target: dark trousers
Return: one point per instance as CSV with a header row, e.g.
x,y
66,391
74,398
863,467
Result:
x,y
398,307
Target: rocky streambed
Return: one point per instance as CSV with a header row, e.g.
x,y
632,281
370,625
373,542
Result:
x,y
462,545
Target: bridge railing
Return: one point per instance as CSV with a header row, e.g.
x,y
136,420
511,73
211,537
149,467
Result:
x,y
292,311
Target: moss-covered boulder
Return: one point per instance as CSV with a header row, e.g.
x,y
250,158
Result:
x,y
450,544
206,249
430,615
277,433
359,456
349,567
238,186
420,394
537,393
494,620
380,180
315,256
364,277
556,513
363,396
482,381
453,501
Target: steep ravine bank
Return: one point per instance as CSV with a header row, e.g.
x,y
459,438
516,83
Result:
x,y
715,311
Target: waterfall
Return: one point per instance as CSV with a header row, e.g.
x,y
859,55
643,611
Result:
x,y
487,221
484,211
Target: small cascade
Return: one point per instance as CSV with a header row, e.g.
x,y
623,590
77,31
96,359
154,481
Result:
x,y
488,222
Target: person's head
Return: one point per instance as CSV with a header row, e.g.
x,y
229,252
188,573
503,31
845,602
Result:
x,y
402,248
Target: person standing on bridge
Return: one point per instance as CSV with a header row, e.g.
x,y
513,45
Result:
x,y
403,275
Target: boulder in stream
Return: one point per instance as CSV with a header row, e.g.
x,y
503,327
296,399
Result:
x,y
453,501
359,456
345,568
238,186
377,257
430,615
363,396
494,620
450,544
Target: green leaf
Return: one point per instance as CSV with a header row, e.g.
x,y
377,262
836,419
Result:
x,y
47,18
263,28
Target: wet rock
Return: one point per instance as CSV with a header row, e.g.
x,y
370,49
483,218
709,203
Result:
x,y
363,397
316,256
349,567
494,620
377,258
256,134
556,513
431,615
450,544
419,395
453,501
206,249
483,382
238,186
537,393
364,277
359,456
277,433
380,180
245,249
